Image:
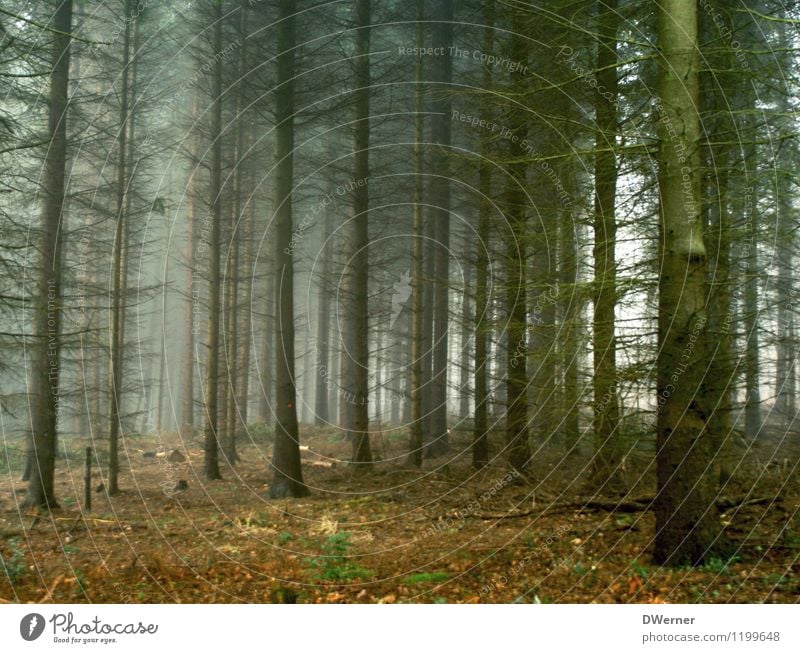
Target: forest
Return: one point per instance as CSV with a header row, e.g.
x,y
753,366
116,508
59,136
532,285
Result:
x,y
369,301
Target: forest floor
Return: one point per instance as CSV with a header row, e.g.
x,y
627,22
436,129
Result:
x,y
445,534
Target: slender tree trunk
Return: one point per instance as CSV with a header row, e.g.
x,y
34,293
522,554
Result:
x,y
45,420
716,85
359,262
516,259
480,442
237,229
687,523
266,361
752,407
608,447
322,350
287,480
417,268
784,165
245,319
463,409
116,339
441,122
571,303
211,443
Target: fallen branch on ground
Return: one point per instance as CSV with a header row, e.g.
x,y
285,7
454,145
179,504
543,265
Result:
x,y
641,504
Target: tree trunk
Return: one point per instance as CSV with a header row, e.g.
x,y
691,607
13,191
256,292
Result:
x,y
516,259
784,166
463,409
358,259
441,123
232,343
45,420
480,437
193,299
322,350
245,319
687,523
608,447
287,480
266,362
117,308
211,444
417,268
571,303
717,84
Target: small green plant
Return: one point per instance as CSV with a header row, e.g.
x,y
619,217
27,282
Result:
x,y
719,565
432,577
639,570
334,564
791,539
14,563
284,537
260,433
80,583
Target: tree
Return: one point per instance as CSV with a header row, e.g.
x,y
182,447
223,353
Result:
x,y
212,394
48,302
287,478
416,427
119,262
604,347
357,328
687,524
439,192
480,441
516,258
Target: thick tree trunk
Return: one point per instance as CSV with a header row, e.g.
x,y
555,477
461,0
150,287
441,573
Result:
x,y
287,480
687,523
45,420
211,443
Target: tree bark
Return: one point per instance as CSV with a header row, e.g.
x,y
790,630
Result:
x,y
608,447
45,419
211,443
480,437
417,264
358,328
687,525
322,350
287,478
441,123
